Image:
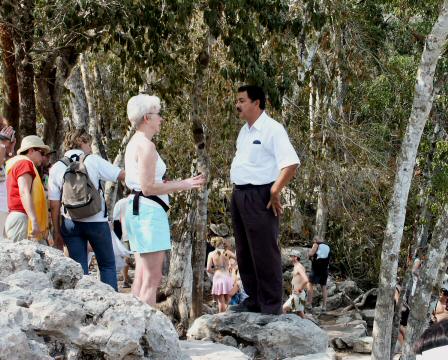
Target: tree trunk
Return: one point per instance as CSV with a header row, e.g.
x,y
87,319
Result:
x,y
78,102
419,315
10,87
23,43
97,143
50,78
110,190
177,305
203,165
322,211
423,98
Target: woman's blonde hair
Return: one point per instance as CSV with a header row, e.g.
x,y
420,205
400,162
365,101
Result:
x,y
140,105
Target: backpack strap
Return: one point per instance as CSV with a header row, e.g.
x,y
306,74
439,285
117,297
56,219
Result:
x,y
66,161
82,158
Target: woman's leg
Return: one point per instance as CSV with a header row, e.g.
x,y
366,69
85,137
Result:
x,y
221,303
99,236
309,294
227,298
137,284
75,243
151,275
324,296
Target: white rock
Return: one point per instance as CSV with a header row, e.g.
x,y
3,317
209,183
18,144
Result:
x,y
30,280
363,345
329,355
205,350
273,336
47,309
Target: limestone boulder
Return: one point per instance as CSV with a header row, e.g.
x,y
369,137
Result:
x,y
369,316
45,314
329,355
363,345
272,336
207,350
28,255
344,329
349,287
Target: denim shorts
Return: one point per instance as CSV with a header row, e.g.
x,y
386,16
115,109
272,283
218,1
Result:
x,y
149,231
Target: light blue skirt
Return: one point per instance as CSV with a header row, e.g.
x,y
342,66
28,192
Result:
x,y
149,231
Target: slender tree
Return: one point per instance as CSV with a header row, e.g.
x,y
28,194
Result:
x,y
423,98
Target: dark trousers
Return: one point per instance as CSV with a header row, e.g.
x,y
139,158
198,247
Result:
x,y
76,234
256,232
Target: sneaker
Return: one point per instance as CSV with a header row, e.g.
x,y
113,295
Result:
x,y
323,309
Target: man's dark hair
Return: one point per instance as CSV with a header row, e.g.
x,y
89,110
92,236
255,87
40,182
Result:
x,y
254,92
434,336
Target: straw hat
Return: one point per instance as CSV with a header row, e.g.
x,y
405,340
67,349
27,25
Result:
x,y
32,141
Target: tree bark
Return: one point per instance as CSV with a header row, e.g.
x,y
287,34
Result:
x,y
50,78
97,143
419,315
203,166
10,86
23,43
423,98
78,102
322,210
177,305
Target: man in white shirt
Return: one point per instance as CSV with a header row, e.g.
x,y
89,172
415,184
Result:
x,y
265,161
75,234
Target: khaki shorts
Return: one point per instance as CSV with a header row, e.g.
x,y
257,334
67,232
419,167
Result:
x,y
16,226
3,216
296,302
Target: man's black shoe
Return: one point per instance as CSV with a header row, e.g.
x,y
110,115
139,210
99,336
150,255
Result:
x,y
244,307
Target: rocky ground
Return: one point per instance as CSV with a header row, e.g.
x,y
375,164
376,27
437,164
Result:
x,y
49,310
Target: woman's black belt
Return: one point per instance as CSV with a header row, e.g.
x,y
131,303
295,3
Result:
x,y
136,202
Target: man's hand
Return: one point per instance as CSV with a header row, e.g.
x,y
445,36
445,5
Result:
x,y
275,203
35,230
58,241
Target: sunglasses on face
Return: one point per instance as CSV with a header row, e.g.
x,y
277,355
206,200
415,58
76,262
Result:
x,y
160,113
41,151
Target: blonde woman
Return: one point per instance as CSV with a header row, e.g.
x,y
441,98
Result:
x,y
218,265
146,214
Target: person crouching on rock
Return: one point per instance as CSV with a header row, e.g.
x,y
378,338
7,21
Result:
x,y
146,214
218,265
297,300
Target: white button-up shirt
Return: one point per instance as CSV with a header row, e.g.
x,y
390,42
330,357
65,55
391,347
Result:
x,y
261,152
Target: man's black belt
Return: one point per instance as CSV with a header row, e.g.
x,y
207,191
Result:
x,y
136,202
251,186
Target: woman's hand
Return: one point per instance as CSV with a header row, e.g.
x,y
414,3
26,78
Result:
x,y
194,182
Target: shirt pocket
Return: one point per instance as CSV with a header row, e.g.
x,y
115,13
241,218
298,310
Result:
x,y
255,151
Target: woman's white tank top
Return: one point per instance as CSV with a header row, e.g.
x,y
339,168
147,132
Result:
x,y
132,177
